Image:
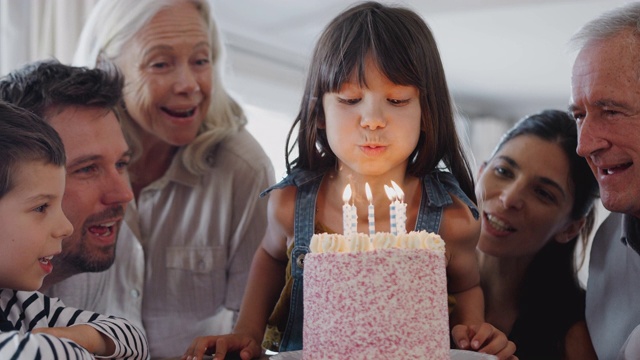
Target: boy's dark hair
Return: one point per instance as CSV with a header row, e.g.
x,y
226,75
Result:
x,y
46,87
24,137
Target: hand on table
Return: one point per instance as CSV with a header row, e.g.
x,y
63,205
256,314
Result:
x,y
218,346
484,338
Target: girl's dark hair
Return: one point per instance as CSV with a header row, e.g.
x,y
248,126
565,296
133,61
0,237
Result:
x,y
402,45
24,137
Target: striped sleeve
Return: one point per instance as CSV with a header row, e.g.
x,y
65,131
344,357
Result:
x,y
14,345
130,341
26,311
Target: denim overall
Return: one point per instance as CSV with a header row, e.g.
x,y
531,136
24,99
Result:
x,y
437,186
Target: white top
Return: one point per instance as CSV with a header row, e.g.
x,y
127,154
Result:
x,y
613,294
183,256
28,310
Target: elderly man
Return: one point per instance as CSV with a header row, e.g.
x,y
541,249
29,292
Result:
x,y
606,106
80,104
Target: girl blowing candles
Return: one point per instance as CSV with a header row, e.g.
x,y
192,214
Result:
x,y
376,108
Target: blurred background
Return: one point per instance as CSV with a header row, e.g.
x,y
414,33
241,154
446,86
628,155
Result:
x,y
504,59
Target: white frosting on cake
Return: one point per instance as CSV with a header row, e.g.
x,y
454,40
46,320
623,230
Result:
x,y
383,297
323,243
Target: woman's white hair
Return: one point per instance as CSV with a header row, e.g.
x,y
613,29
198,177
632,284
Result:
x,y
112,23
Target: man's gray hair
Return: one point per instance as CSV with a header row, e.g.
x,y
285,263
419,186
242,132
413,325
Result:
x,y
607,25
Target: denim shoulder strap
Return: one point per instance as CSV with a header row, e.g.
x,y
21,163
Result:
x,y
436,188
304,222
451,185
297,178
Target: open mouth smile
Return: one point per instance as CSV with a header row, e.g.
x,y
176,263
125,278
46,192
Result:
x,y
105,229
46,260
616,169
498,224
180,113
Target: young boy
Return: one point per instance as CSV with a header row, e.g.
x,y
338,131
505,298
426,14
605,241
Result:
x,y
32,226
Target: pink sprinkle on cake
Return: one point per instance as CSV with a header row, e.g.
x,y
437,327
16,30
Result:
x,y
386,303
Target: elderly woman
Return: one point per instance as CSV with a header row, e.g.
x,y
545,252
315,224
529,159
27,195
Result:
x,y
183,257
537,199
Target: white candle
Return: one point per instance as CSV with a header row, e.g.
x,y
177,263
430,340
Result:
x,y
349,213
346,211
354,219
372,217
401,209
391,194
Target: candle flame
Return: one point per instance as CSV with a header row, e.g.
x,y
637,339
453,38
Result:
x,y
367,189
391,194
346,195
398,191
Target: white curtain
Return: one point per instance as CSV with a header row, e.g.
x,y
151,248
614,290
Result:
x,y
40,29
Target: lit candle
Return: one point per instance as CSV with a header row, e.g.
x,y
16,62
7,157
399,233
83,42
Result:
x,y
349,213
401,209
372,218
391,194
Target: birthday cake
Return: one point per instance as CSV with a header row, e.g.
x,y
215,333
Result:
x,y
383,297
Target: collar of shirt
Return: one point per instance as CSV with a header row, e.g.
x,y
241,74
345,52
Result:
x,y
176,172
5,324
